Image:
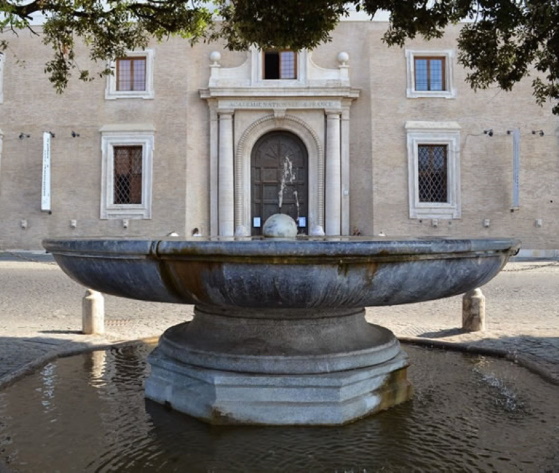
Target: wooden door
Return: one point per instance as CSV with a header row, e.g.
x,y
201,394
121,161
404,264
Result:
x,y
279,177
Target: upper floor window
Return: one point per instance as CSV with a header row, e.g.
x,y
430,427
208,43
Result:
x,y
280,65
132,77
131,74
430,74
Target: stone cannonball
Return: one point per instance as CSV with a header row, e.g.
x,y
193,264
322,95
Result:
x,y
279,226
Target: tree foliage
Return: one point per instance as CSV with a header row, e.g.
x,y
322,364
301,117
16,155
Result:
x,y
501,41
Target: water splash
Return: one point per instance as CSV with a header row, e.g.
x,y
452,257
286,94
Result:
x,y
505,397
288,176
296,197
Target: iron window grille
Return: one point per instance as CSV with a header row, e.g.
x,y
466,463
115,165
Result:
x,y
432,173
127,175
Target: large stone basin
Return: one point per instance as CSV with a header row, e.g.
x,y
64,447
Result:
x,y
279,334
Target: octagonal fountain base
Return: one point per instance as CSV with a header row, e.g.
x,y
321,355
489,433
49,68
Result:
x,y
273,366
225,397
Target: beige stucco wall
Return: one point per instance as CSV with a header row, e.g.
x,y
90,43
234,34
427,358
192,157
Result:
x,y
181,177
486,162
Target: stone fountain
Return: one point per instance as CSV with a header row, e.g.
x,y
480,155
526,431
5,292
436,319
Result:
x,y
279,334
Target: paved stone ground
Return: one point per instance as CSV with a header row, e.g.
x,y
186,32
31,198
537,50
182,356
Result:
x,y
40,317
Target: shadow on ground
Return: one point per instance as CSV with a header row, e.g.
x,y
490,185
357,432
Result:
x,y
538,354
21,356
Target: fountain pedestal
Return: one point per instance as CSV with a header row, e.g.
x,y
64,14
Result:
x,y
274,366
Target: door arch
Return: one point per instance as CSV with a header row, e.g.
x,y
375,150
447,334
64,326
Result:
x,y
279,179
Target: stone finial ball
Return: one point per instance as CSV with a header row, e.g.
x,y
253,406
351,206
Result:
x,y
343,57
279,226
215,56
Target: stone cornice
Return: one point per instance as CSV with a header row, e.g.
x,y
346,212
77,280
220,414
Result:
x,y
275,93
250,99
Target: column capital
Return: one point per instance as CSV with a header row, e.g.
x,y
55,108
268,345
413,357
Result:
x,y
332,113
225,112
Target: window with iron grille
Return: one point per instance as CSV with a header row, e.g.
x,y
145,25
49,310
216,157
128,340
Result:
x,y
434,169
280,64
127,175
127,170
131,74
429,73
432,173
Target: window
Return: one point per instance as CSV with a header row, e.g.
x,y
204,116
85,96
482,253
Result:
x,y
280,65
434,169
127,155
432,173
429,74
131,74
127,184
132,77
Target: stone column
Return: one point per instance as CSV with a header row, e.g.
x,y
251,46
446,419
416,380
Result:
x,y
333,188
214,169
226,197
473,311
344,159
93,313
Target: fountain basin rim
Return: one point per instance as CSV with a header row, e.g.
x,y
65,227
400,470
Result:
x,y
308,247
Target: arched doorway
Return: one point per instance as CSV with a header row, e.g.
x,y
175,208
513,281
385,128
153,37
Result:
x,y
279,179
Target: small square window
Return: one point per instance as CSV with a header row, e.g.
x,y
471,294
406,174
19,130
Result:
x,y
430,74
132,77
131,74
280,65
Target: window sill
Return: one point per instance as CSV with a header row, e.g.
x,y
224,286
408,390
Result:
x,y
443,94
136,212
145,95
442,212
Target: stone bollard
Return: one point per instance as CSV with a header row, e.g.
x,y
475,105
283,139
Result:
x,y
93,313
473,311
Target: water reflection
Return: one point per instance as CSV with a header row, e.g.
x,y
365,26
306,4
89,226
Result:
x,y
88,414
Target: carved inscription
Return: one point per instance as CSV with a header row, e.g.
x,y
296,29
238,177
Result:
x,y
282,104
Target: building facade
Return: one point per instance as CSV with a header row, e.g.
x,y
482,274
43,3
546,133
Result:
x,y
353,137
